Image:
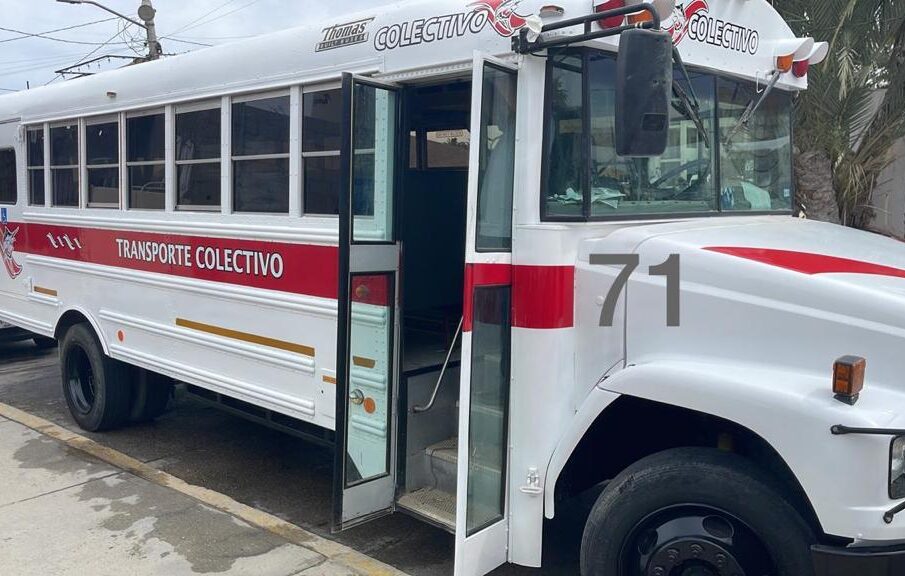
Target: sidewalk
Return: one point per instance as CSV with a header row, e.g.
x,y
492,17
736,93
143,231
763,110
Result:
x,y
63,512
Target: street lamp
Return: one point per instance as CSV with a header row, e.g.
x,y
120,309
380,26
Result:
x,y
146,12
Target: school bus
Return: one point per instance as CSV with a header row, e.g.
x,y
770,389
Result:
x,y
496,253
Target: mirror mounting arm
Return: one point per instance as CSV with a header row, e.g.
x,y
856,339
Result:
x,y
521,44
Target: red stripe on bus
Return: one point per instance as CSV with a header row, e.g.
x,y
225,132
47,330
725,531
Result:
x,y
808,263
293,268
543,297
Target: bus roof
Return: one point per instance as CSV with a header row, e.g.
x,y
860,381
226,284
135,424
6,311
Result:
x,y
738,37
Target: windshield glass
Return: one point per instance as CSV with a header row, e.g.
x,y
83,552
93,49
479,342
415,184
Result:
x,y
585,178
755,161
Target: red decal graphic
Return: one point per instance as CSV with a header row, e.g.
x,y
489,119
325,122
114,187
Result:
x,y
808,263
502,15
677,25
284,267
543,297
9,247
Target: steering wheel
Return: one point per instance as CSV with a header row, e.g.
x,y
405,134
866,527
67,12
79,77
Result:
x,y
687,167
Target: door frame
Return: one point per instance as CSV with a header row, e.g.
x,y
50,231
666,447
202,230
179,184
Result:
x,y
488,547
361,502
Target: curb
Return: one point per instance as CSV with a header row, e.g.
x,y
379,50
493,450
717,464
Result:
x,y
333,551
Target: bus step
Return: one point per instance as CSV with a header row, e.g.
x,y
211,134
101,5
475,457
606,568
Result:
x,y
435,506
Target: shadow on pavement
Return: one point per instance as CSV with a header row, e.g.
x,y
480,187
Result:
x,y
279,474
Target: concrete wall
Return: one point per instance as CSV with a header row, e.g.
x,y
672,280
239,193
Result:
x,y
888,198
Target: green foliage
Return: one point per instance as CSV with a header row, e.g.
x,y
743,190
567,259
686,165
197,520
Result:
x,y
854,109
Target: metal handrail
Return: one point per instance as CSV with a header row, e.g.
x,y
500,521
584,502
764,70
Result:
x,y
430,405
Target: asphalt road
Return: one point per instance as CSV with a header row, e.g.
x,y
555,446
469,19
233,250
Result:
x,y
279,474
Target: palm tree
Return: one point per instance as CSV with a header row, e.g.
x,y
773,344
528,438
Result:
x,y
854,111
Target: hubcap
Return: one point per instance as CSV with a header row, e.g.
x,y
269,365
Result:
x,y
694,541
82,387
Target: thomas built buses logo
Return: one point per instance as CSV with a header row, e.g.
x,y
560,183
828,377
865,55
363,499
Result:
x,y
501,15
693,20
343,35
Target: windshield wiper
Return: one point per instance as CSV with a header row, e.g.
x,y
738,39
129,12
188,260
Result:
x,y
691,106
751,110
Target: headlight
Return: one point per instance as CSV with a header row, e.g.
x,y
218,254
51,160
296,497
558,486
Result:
x,y
897,469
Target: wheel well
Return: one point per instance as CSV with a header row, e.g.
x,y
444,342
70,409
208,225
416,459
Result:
x,y
633,428
70,319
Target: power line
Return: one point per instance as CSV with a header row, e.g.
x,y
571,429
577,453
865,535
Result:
x,y
7,90
88,55
41,34
52,38
193,25
188,42
202,17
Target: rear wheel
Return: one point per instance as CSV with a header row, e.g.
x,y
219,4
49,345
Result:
x,y
151,395
96,387
694,512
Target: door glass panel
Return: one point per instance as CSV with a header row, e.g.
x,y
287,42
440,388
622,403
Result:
x,y
370,378
373,162
488,413
497,168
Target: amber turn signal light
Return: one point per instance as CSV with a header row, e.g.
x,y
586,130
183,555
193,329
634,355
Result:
x,y
848,378
785,63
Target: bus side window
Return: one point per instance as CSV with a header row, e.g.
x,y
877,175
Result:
x,y
102,149
260,154
146,161
7,177
64,164
35,152
321,143
198,148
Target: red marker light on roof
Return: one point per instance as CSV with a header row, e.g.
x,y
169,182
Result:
x,y
800,68
612,21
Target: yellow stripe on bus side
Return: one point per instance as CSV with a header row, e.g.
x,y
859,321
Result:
x,y
246,337
45,291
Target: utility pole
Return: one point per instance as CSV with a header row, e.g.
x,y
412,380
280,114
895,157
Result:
x,y
146,12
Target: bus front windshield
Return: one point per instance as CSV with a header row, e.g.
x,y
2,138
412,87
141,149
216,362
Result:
x,y
751,171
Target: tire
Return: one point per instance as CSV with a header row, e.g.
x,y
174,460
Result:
x,y
694,511
43,342
151,395
97,388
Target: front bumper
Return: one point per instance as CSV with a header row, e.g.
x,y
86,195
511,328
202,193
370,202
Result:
x,y
884,561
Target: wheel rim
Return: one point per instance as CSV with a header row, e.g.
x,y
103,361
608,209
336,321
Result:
x,y
80,380
694,541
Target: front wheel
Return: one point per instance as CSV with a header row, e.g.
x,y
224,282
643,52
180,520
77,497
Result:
x,y
694,512
97,388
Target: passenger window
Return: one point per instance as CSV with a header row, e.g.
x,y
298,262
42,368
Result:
x,y
102,143
64,164
198,159
322,140
35,153
7,177
260,154
146,161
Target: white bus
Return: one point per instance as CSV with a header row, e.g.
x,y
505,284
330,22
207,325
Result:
x,y
496,253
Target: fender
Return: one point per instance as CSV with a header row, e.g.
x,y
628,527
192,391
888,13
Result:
x,y
792,411
91,320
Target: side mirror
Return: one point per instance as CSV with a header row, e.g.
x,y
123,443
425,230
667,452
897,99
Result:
x,y
643,92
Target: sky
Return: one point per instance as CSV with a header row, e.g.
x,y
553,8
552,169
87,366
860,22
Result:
x,y
189,22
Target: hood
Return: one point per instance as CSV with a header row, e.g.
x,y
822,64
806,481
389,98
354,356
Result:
x,y
768,289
